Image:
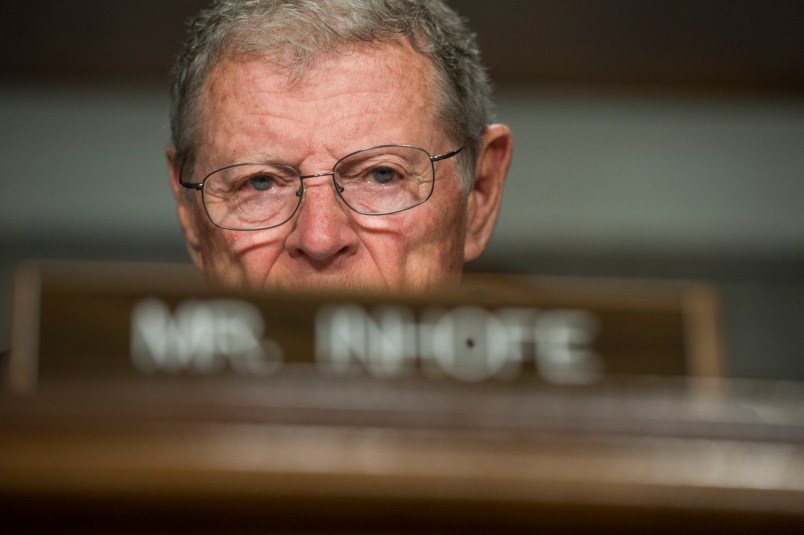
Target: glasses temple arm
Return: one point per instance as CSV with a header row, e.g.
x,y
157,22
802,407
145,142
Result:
x,y
444,156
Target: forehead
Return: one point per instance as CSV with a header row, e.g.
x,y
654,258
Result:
x,y
363,94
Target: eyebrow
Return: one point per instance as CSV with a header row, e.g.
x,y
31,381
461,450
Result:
x,y
254,157
260,156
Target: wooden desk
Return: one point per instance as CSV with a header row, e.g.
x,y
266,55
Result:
x,y
302,454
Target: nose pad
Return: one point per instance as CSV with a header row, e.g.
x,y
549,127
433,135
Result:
x,y
338,188
300,191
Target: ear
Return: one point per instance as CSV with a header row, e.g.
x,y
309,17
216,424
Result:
x,y
185,207
483,203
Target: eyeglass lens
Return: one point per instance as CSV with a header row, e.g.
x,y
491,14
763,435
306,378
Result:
x,y
374,181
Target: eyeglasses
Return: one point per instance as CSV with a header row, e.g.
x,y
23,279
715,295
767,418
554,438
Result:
x,y
377,181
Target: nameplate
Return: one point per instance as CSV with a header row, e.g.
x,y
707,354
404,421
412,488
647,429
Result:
x,y
140,322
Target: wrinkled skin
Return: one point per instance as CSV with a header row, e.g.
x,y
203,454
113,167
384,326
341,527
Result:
x,y
361,97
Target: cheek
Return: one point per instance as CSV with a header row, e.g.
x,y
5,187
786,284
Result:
x,y
229,250
449,235
384,238
241,259
430,233
446,219
251,246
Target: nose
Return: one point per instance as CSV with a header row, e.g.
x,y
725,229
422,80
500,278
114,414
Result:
x,y
322,232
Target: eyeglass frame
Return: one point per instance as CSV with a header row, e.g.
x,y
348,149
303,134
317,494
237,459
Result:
x,y
199,186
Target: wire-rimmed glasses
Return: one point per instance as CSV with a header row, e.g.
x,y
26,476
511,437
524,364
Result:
x,y
377,181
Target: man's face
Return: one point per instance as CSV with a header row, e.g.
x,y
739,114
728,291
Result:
x,y
363,97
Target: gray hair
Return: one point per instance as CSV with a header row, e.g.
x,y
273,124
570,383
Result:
x,y
289,33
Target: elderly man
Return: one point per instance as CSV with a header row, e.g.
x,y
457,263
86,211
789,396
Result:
x,y
334,144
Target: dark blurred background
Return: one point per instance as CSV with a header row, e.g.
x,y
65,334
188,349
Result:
x,y
654,139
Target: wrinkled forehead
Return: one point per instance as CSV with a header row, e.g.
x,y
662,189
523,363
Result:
x,y
356,78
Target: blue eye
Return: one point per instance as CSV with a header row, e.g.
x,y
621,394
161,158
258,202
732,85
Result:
x,y
383,175
261,182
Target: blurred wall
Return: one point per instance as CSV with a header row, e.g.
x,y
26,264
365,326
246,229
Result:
x,y
652,139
